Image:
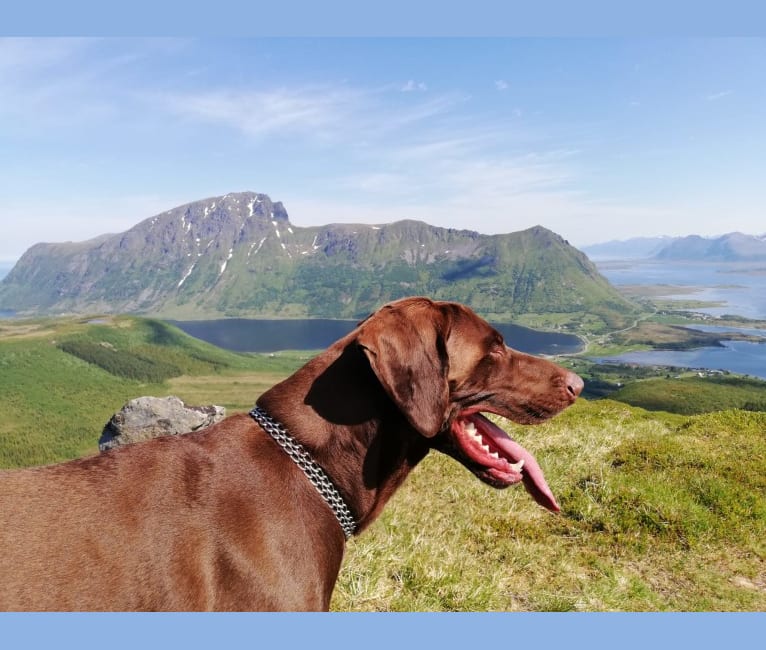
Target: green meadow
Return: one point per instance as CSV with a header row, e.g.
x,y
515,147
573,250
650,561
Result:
x,y
661,481
658,513
61,380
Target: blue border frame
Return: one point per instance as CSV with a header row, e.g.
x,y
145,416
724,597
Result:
x,y
384,631
346,18
558,18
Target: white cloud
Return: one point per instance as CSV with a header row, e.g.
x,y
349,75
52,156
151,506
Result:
x,y
451,184
58,83
719,95
21,56
501,85
331,113
37,75
259,113
412,85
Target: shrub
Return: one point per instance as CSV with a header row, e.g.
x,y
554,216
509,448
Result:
x,y
121,363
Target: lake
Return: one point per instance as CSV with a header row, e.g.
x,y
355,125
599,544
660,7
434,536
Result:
x,y
250,335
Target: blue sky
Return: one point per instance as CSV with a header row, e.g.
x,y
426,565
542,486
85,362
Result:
x,y
596,139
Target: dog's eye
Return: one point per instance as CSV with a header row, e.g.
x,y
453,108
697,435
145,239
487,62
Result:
x,y
498,347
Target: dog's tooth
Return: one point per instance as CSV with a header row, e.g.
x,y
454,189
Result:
x,y
516,467
470,429
494,454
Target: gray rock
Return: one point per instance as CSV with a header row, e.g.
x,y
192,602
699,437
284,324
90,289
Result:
x,y
148,417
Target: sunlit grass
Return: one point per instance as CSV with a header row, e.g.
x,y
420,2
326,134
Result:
x,y
654,517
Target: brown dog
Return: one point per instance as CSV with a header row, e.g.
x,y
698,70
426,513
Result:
x,y
225,519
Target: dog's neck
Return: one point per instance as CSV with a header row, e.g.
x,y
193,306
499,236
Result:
x,y
302,458
336,408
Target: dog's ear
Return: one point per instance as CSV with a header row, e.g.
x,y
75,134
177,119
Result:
x,y
405,345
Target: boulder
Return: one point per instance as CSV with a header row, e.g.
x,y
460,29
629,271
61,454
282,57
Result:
x,y
148,417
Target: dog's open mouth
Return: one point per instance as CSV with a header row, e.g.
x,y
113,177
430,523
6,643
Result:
x,y
495,458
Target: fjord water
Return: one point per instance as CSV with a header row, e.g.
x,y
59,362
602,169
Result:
x,y
249,335
741,357
741,288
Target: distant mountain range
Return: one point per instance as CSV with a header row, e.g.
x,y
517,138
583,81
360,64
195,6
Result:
x,y
239,255
628,249
733,247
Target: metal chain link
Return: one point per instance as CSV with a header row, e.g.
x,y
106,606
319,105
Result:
x,y
310,468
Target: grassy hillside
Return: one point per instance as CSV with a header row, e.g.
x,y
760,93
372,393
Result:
x,y
671,390
61,380
660,511
692,395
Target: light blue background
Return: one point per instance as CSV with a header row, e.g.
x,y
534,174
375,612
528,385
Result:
x,y
402,18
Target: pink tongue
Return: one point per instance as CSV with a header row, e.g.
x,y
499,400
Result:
x,y
532,475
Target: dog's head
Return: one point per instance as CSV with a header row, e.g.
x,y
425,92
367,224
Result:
x,y
443,366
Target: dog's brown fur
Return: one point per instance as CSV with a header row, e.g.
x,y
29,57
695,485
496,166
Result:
x,y
223,519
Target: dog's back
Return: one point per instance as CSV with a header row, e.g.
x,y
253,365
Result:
x,y
169,524
74,525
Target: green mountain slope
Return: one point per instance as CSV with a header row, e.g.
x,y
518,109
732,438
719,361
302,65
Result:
x,y
62,379
239,255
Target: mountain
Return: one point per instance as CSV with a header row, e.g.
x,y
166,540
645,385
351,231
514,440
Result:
x,y
239,255
628,249
734,247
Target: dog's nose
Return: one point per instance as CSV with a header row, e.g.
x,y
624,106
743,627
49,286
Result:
x,y
574,384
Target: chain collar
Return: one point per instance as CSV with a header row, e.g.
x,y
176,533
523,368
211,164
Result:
x,y
310,468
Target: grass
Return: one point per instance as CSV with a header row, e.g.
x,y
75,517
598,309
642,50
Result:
x,y
236,391
660,511
55,404
693,395
674,390
663,337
